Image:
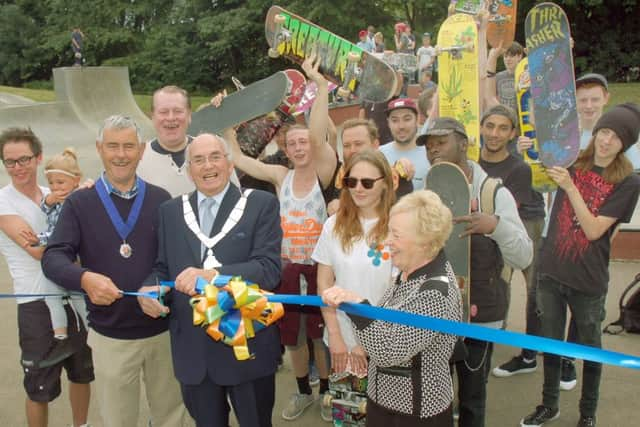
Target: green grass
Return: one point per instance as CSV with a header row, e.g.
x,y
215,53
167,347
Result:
x,y
620,92
41,95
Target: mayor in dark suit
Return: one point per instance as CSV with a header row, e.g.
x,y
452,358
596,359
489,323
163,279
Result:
x,y
244,240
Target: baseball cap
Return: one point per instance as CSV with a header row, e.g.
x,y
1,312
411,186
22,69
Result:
x,y
442,126
398,103
596,78
426,35
363,33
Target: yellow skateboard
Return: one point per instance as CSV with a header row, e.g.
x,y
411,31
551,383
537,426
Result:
x,y
540,181
458,93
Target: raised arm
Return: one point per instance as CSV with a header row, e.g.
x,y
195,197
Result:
x,y
273,174
324,156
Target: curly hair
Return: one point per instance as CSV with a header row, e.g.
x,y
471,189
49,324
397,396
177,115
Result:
x,y
432,221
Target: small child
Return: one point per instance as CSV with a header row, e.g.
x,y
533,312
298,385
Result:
x,y
63,174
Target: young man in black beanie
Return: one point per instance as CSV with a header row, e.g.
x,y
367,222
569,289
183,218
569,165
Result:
x,y
595,195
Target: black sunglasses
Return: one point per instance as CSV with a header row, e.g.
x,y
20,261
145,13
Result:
x,y
367,183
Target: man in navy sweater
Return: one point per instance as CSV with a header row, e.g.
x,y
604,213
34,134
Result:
x,y
112,229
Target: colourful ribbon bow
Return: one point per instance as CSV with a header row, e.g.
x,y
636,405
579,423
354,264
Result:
x,y
232,311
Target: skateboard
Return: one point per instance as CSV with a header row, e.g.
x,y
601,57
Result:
x,y
347,397
472,7
255,100
540,181
450,183
254,135
502,22
309,96
458,93
553,87
355,71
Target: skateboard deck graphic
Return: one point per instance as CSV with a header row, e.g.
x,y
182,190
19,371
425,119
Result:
x,y
255,100
253,136
472,7
449,182
458,92
553,87
540,181
348,399
309,96
342,62
502,22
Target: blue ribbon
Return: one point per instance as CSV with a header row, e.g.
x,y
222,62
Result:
x,y
470,330
123,228
498,336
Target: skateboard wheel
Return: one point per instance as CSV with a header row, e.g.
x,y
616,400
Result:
x,y
343,93
327,399
469,47
353,57
362,407
438,50
279,19
273,53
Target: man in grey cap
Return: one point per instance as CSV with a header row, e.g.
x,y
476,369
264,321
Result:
x,y
496,239
592,95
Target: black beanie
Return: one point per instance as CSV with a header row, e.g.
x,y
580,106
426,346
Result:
x,y
624,120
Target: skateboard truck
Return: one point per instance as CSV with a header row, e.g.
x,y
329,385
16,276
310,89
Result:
x,y
351,73
280,35
455,51
500,19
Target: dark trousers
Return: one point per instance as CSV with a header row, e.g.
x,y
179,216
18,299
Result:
x,y
472,382
534,230
588,312
252,402
378,416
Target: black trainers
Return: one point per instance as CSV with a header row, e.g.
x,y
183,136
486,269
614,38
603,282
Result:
x,y
586,422
568,379
517,365
541,415
60,350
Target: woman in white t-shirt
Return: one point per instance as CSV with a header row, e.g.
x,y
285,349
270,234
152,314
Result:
x,y
350,252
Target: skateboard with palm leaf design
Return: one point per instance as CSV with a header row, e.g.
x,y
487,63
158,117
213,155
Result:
x,y
459,89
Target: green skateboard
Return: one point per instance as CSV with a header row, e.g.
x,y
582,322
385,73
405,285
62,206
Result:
x,y
354,71
449,182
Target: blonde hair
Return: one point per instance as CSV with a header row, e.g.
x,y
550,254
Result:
x,y
431,219
65,162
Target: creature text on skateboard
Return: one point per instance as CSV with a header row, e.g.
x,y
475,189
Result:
x,y
255,100
348,399
553,87
502,22
449,182
254,135
458,91
540,181
342,62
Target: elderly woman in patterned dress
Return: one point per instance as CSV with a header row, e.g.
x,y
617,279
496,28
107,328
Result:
x,y
409,378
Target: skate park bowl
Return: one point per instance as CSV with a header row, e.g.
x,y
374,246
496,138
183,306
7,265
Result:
x,y
85,96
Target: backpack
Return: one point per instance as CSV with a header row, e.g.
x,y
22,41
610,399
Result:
x,y
488,190
629,319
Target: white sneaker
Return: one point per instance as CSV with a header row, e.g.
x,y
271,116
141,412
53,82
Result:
x,y
296,405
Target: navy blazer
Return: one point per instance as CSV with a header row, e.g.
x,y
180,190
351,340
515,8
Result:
x,y
251,250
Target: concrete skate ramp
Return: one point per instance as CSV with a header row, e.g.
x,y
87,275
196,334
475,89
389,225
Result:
x,y
96,93
9,99
58,127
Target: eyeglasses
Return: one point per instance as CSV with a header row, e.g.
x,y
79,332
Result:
x,y
22,161
367,183
211,158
